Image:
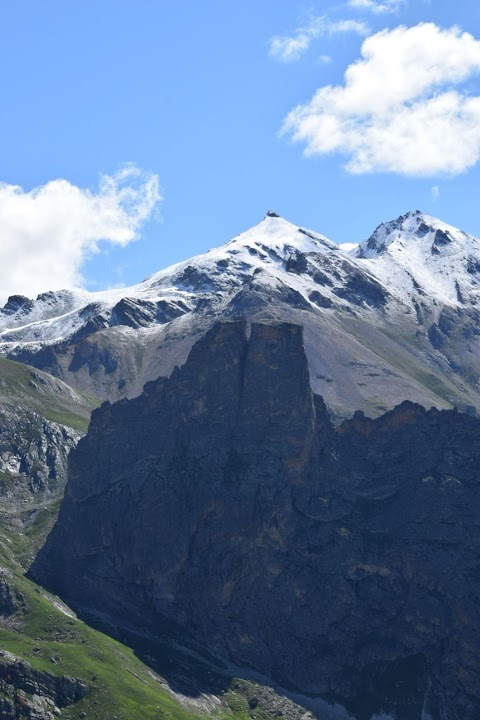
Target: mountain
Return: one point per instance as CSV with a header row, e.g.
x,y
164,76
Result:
x,y
25,387
52,664
41,420
396,318
223,507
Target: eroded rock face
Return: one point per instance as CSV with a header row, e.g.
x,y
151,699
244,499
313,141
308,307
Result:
x,y
33,454
223,505
29,693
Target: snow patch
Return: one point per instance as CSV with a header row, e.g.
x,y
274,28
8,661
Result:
x,y
411,258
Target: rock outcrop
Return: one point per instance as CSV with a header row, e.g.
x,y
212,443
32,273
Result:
x,y
29,693
33,454
222,506
41,419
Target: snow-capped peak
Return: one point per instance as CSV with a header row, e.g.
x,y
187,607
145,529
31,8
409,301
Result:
x,y
424,253
178,289
412,228
276,233
414,254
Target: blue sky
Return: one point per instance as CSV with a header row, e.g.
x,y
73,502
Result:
x,y
195,96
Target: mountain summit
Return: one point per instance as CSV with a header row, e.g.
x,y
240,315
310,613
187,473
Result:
x,y
424,255
394,319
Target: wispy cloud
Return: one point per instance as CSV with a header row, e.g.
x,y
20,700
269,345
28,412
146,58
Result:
x,y
289,48
48,233
403,107
379,7
435,193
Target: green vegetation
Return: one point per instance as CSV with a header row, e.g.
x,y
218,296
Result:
x,y
402,350
49,640
36,525
122,687
23,386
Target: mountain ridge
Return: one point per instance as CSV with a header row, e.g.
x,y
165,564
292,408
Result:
x,y
380,327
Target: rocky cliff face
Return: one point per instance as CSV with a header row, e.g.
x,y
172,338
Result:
x,y
224,507
41,419
33,454
29,693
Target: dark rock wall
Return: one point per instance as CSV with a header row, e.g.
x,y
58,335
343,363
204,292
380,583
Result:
x,y
223,505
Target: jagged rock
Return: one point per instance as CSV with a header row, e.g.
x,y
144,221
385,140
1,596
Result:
x,y
297,263
10,598
34,694
136,313
133,313
320,299
41,419
33,453
223,506
17,303
442,238
360,289
93,322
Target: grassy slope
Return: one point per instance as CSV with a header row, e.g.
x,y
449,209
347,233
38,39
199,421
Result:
x,y
403,351
122,686
21,385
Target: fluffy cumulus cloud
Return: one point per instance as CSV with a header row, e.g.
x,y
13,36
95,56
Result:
x,y
405,106
48,233
378,7
289,48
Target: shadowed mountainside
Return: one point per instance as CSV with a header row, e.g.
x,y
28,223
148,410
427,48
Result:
x,y
223,506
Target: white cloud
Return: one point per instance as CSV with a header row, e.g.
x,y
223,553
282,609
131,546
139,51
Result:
x,y
403,107
290,48
47,233
348,247
377,6
343,26
435,193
